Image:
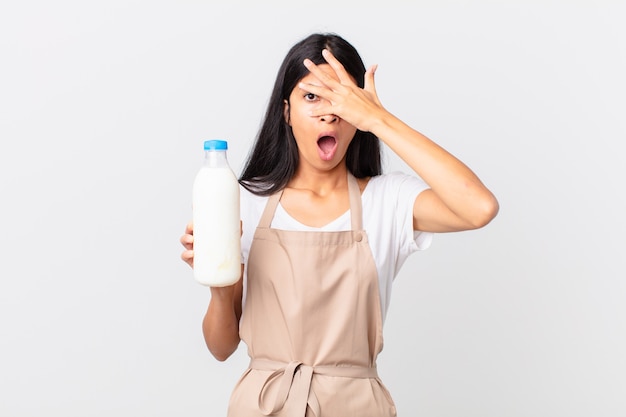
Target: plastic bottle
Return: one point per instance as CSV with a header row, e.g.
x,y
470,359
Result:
x,y
216,227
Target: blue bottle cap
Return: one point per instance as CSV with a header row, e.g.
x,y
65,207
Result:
x,y
215,145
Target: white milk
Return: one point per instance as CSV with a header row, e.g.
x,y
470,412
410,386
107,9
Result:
x,y
216,229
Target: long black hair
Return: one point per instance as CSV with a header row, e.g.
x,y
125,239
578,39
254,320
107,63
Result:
x,y
274,158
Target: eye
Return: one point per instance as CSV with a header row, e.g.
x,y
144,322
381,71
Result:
x,y
310,97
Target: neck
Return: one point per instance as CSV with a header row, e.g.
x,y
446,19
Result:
x,y
319,182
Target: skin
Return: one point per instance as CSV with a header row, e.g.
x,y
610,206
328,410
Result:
x,y
328,100
318,191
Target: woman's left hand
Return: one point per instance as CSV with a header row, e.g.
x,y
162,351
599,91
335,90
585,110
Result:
x,y
358,106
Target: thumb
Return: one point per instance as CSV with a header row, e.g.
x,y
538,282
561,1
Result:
x,y
369,84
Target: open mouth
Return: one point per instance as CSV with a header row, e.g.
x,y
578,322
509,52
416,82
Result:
x,y
327,146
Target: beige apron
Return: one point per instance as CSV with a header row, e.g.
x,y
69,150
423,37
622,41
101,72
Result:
x,y
312,323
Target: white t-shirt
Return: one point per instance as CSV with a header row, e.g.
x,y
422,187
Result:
x,y
387,202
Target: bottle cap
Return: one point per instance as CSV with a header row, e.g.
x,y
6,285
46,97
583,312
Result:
x,y
215,145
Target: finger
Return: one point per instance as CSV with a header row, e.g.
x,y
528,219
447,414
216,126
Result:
x,y
189,228
338,67
323,111
328,96
187,256
323,77
318,90
187,241
369,84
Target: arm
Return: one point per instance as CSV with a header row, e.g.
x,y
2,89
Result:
x,y
221,321
457,199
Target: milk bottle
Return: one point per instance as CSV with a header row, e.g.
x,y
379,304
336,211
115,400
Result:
x,y
216,229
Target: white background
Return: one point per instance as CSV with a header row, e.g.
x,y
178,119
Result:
x,y
103,110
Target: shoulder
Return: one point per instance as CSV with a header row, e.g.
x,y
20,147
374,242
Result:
x,y
394,184
251,205
249,197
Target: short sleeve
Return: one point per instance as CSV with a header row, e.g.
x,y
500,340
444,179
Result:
x,y
388,202
406,188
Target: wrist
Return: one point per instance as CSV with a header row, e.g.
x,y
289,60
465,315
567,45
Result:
x,y
380,125
223,293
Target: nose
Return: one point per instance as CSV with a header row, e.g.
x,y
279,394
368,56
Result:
x,y
328,118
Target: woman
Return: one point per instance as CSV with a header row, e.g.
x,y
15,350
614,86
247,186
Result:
x,y
324,233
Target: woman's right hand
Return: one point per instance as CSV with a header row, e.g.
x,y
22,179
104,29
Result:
x,y
187,241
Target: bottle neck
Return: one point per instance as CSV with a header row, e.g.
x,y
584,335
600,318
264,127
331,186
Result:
x,y
215,159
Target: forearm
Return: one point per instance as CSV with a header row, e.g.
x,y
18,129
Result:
x,y
453,182
221,322
467,202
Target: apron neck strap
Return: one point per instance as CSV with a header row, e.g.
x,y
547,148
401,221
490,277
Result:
x,y
270,209
355,206
356,215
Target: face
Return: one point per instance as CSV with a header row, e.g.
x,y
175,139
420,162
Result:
x,y
322,140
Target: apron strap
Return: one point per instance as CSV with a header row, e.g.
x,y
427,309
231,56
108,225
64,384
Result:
x,y
270,208
356,215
